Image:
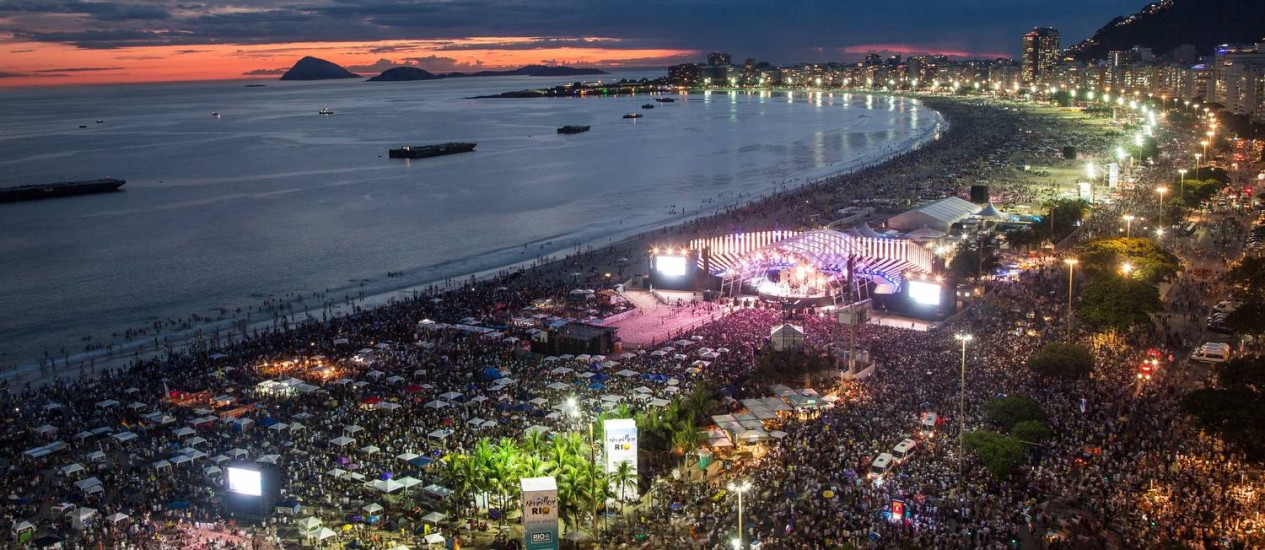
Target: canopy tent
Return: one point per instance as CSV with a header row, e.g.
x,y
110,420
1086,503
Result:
x,y
372,507
72,468
370,449
387,485
320,533
434,517
116,517
342,441
309,523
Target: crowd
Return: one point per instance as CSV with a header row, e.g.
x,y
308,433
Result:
x,y
1122,466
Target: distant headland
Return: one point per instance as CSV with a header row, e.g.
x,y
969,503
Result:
x,y
312,68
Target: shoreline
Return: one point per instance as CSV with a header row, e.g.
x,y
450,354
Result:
x,y
294,307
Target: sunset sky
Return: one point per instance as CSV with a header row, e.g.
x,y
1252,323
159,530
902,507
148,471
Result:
x,y
56,42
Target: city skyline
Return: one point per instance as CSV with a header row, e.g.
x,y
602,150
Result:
x,y
74,42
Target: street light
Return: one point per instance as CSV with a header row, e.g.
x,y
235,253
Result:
x,y
573,409
1161,191
964,338
740,488
1071,267
1182,172
1126,268
1197,157
1128,225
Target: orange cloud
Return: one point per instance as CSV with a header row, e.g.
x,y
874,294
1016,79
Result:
x,y
220,62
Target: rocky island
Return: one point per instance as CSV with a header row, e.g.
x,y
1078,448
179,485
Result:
x,y
312,68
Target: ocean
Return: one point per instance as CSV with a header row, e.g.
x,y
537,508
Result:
x,y
271,198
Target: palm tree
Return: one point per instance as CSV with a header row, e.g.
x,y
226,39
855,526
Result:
x,y
533,441
623,475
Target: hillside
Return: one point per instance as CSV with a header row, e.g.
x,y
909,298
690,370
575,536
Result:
x,y
312,68
401,74
1167,24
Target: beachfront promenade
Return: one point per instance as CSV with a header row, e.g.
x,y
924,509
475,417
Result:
x,y
381,391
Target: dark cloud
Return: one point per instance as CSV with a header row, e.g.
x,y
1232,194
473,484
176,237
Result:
x,y
79,69
774,30
266,72
21,51
10,75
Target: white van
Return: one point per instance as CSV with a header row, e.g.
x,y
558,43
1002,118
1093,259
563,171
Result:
x,y
927,424
904,450
881,465
1211,352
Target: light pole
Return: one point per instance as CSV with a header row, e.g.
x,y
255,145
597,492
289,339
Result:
x,y
573,409
1161,191
964,338
1071,267
740,488
1182,173
1128,225
1197,157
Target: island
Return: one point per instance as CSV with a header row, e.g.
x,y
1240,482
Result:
x,y
581,89
312,68
403,74
399,74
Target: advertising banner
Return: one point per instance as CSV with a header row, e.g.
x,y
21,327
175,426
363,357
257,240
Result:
x,y
540,513
621,447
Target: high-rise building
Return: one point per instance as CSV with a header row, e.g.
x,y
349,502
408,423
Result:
x,y
686,74
873,60
1040,54
719,58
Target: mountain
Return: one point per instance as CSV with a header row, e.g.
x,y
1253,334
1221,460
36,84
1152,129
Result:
x,y
400,74
311,68
1167,24
533,70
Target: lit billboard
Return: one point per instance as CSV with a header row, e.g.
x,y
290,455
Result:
x,y
925,293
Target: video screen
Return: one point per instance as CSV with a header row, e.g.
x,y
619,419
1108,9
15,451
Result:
x,y
671,266
245,482
927,294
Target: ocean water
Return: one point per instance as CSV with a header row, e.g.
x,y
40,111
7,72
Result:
x,y
271,198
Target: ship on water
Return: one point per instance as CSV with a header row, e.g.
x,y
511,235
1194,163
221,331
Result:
x,y
60,189
665,100
425,151
572,129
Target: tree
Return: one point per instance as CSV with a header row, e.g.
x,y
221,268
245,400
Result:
x,y
966,262
1060,360
1013,409
1248,275
999,453
1064,215
623,475
1118,303
1030,432
1150,263
1235,410
1249,318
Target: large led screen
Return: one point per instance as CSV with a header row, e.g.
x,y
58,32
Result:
x,y
245,482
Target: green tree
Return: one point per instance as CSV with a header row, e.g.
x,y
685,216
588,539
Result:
x,y
1249,276
1061,360
1030,432
1150,263
1118,303
1236,409
1064,215
999,453
1013,409
622,477
967,262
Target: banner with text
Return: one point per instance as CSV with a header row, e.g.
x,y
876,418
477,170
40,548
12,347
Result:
x,y
540,513
621,447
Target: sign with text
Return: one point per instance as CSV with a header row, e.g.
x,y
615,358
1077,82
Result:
x,y
621,447
540,513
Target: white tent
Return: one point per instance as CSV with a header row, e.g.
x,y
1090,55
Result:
x,y
124,437
87,484
387,405
342,441
116,517
107,404
269,459
440,434
370,449
408,481
352,429
321,533
278,426
72,468
388,485
372,508
434,517
212,470
437,404
194,441
435,538
450,396
309,523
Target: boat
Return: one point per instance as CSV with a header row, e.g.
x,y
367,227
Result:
x,y
572,129
425,151
633,115
61,189
665,100
648,106
83,125
216,114
99,121
325,111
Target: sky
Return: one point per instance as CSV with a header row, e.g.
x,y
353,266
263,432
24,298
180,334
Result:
x,y
62,42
